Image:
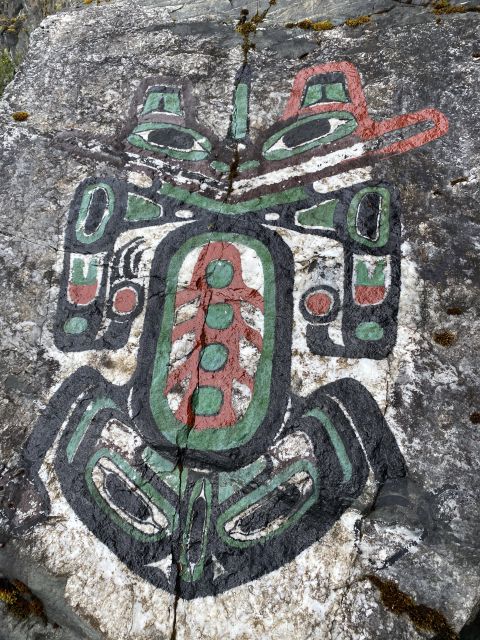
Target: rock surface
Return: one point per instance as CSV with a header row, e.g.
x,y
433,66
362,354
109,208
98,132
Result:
x,y
393,555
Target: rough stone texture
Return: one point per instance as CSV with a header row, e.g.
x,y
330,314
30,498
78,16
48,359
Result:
x,y
80,75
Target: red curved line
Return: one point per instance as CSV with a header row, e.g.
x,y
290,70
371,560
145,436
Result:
x,y
439,128
367,128
358,105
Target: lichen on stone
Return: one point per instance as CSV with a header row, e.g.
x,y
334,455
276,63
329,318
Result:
x,y
445,338
7,69
423,618
20,116
310,25
356,22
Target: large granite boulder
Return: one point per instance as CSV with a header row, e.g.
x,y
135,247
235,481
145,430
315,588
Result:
x,y
239,323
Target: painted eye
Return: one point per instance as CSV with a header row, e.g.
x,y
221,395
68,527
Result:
x,y
309,133
172,140
96,209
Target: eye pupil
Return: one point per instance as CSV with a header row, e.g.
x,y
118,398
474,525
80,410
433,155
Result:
x,y
170,137
96,210
306,133
309,133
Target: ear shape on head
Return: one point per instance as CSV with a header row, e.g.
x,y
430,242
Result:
x,y
161,123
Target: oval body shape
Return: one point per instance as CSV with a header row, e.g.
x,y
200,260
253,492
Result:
x,y
212,376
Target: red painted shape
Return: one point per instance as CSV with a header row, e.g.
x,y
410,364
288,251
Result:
x,y
367,129
125,300
369,295
234,294
319,303
81,294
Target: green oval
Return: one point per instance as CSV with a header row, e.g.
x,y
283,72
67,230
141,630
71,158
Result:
x,y
199,150
383,223
75,325
219,316
274,151
84,212
213,357
369,331
207,401
219,273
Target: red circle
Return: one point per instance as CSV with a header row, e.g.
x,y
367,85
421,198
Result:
x,y
125,300
319,303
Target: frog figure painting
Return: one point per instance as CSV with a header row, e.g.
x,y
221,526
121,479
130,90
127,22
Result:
x,y
197,462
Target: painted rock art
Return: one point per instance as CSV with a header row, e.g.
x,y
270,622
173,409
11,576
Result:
x,y
201,468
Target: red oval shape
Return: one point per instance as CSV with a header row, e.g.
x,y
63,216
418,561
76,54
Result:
x,y
81,293
369,295
125,300
319,303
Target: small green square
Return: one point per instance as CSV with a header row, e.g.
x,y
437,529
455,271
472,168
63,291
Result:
x,y
207,401
314,94
336,92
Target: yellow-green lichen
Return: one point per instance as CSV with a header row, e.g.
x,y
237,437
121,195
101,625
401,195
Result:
x,y
443,7
445,338
356,22
7,69
246,28
19,600
423,618
11,25
310,25
20,116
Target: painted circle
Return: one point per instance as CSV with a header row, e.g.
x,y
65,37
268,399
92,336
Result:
x,y
219,316
219,273
369,331
124,300
207,401
213,357
75,325
319,303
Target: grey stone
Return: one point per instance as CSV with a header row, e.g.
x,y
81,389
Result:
x,y
77,82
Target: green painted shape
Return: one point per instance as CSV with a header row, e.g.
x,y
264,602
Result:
x,y
75,326
261,492
250,164
231,481
78,270
213,357
376,279
88,238
313,95
219,316
166,469
218,439
349,125
384,223
189,573
319,216
219,274
207,401
145,487
316,93
81,429
249,206
336,441
240,112
137,141
369,331
139,208
336,91
171,102
222,167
